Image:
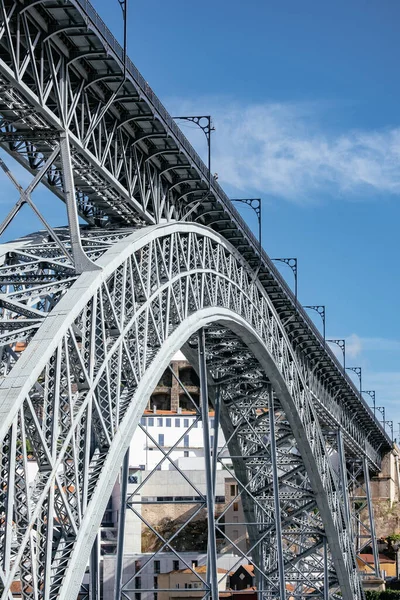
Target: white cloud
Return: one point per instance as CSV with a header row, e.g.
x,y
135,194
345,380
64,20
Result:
x,y
281,149
355,345
387,387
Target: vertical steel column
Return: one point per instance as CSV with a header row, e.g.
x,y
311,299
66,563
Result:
x,y
371,517
215,444
212,573
121,528
343,480
94,585
82,262
275,485
326,570
214,461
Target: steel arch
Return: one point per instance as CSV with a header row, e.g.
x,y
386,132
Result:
x,y
102,350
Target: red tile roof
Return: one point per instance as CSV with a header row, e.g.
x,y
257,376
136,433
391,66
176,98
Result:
x,y
369,558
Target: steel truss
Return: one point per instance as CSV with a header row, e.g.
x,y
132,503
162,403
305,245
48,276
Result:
x,y
85,123
90,317
79,389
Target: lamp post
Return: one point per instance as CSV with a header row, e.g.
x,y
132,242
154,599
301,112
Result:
x,y
255,204
204,122
371,394
320,309
124,7
381,410
342,346
357,371
292,263
384,422
390,424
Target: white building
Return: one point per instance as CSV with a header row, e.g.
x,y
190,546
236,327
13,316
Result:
x,y
167,429
145,585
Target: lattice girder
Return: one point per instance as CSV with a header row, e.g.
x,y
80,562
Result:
x,y
98,137
155,289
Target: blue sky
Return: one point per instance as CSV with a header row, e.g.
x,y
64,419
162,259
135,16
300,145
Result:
x,y
305,101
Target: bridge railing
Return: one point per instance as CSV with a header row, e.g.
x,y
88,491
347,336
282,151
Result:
x,y
141,83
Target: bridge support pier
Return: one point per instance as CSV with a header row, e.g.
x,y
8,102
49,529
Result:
x,y
212,571
121,528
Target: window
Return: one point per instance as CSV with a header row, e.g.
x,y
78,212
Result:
x,y
177,422
186,441
157,566
211,441
212,423
177,585
161,439
168,422
186,453
175,566
143,421
138,596
194,564
155,583
233,490
155,596
219,499
138,583
186,422
150,421
195,424
235,506
235,534
159,422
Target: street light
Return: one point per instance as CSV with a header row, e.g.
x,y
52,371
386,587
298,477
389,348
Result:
x,y
204,122
320,309
255,204
292,263
342,346
371,394
124,7
357,371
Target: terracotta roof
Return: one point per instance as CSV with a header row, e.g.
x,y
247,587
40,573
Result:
x,y
200,569
248,568
369,558
232,593
16,587
174,413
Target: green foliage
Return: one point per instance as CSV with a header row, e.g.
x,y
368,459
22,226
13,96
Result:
x,y
372,595
393,538
193,536
386,595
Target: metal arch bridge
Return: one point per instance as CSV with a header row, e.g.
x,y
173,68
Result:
x,y
164,262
